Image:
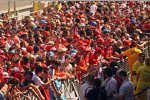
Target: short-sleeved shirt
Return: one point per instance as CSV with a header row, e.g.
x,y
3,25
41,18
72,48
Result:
x,y
136,65
144,78
126,90
110,87
84,89
36,79
132,54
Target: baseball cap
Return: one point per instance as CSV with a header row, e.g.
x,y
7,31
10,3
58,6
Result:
x,y
16,69
5,75
93,23
106,31
50,54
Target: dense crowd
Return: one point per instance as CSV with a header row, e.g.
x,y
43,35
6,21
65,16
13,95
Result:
x,y
75,39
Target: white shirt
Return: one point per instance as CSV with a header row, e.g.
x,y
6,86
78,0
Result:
x,y
84,88
93,8
37,80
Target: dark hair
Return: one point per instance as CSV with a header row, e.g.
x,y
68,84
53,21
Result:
x,y
25,60
97,82
90,77
36,49
29,73
56,63
38,68
39,59
134,43
67,56
108,72
123,73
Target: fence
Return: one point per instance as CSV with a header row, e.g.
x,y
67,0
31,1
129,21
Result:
x,y
67,86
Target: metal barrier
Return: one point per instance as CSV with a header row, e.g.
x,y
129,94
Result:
x,y
124,65
68,88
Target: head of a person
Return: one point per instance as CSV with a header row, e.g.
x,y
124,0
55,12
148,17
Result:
x,y
28,75
97,82
133,44
90,78
55,64
4,78
38,69
141,57
25,60
114,66
67,58
108,72
147,61
123,74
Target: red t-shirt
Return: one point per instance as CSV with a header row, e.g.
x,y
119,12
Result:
x,y
93,59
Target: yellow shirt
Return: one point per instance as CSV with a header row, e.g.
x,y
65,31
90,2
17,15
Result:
x,y
135,67
132,55
144,77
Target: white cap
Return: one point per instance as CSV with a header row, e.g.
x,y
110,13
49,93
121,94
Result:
x,y
5,75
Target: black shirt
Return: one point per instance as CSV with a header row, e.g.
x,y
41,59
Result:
x,y
96,94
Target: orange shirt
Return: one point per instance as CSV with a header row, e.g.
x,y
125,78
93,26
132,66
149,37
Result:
x,y
132,55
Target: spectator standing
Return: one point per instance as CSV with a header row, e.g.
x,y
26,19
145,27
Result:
x,y
97,93
139,63
132,54
110,84
88,85
126,89
143,77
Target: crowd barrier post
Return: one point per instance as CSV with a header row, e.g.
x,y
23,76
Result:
x,y
75,89
66,88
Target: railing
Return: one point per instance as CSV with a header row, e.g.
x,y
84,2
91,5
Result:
x,y
68,88
142,91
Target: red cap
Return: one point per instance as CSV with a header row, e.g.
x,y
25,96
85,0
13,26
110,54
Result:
x,y
18,76
69,15
81,47
97,32
24,52
44,65
42,46
30,48
127,42
48,47
98,49
108,41
86,41
45,33
100,40
82,43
